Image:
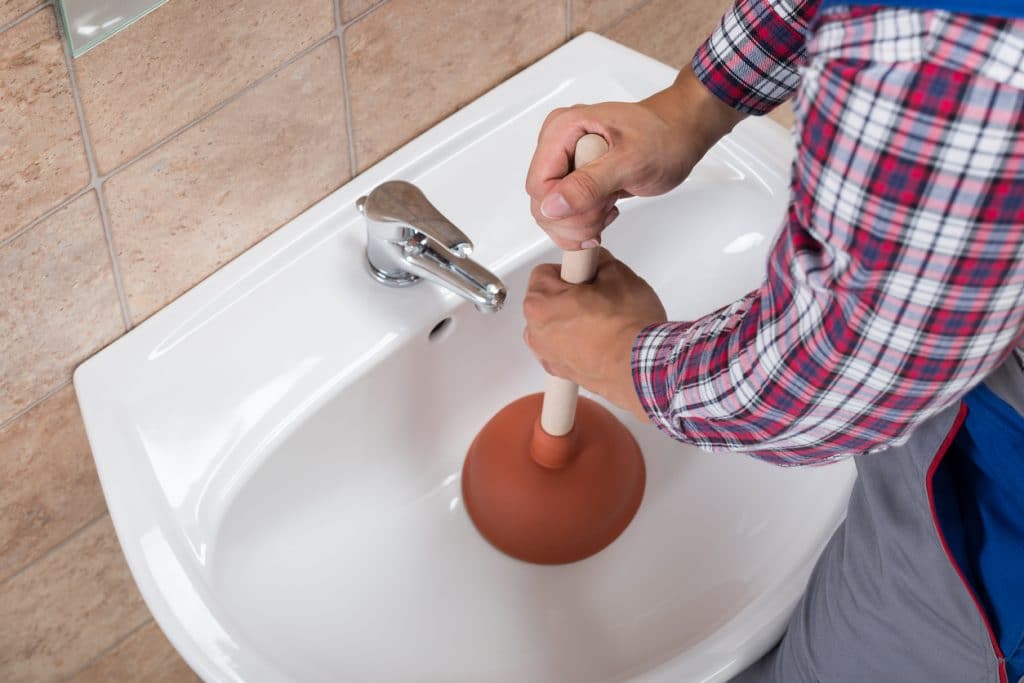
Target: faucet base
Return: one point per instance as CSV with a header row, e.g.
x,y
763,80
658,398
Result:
x,y
391,279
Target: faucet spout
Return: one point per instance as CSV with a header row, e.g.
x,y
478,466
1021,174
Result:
x,y
465,277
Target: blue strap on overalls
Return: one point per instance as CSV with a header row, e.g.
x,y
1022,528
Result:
x,y
978,8
979,500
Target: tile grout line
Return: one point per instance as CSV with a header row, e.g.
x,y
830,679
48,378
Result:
x,y
366,12
57,546
221,105
103,177
47,396
78,194
618,20
30,13
339,30
96,183
97,180
110,648
568,19
115,264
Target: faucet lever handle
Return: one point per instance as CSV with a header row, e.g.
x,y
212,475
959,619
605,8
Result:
x,y
398,201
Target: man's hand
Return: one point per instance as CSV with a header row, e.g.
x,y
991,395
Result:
x,y
653,146
585,332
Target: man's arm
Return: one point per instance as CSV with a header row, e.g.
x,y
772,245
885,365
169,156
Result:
x,y
896,284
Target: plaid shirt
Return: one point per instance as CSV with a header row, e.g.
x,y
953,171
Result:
x,y
896,282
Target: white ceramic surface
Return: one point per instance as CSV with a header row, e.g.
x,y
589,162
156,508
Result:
x,y
280,448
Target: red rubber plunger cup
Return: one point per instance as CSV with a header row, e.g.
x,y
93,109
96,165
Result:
x,y
554,478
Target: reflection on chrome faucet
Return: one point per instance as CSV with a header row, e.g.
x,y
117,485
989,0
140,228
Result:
x,y
407,240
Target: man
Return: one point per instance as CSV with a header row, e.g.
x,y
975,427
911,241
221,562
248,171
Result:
x,y
894,289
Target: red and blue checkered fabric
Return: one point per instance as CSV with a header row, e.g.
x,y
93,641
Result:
x,y
896,282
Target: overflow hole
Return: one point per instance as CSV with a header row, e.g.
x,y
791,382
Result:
x,y
440,331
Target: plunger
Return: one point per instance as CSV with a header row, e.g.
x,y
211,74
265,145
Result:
x,y
554,478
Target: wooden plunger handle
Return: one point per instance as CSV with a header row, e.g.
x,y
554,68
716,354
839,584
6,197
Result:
x,y
559,411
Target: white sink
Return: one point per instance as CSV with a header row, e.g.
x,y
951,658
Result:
x,y
280,448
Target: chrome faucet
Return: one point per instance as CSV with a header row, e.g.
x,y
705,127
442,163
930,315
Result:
x,y
407,240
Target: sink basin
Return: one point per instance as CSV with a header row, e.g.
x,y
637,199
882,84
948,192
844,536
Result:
x,y
281,447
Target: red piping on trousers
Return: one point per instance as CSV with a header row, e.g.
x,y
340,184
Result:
x,y
936,461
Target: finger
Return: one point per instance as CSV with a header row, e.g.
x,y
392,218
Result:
x,y
551,164
540,293
556,145
545,279
548,368
609,218
581,227
609,268
569,233
606,220
628,273
554,370
585,189
569,244
604,257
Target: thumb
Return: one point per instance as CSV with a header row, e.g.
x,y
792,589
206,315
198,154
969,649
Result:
x,y
585,189
604,257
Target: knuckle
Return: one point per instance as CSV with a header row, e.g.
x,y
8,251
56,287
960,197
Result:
x,y
530,307
555,114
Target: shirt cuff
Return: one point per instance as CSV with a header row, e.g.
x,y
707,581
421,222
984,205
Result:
x,y
751,60
651,368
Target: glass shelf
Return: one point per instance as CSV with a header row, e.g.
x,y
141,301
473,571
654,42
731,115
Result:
x,y
90,22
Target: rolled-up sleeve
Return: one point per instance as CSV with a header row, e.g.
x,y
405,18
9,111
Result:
x,y
751,60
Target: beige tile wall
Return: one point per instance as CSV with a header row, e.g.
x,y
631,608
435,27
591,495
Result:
x,y
133,172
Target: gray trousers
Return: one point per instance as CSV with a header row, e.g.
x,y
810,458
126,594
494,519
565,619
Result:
x,y
885,602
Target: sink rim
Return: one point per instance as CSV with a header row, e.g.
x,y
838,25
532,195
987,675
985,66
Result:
x,y
152,538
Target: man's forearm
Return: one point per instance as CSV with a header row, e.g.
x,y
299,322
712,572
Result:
x,y
733,78
688,105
